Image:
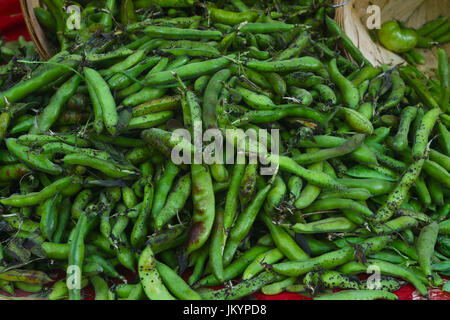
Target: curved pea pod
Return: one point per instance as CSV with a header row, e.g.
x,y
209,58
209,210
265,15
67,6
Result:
x,y
326,94
385,283
48,210
30,85
386,268
150,278
164,3
41,140
363,154
231,18
35,161
353,193
425,246
51,112
257,265
331,280
396,94
400,141
358,295
424,131
342,204
360,171
317,178
184,34
283,240
346,42
398,195
53,148
80,202
106,100
28,276
295,64
303,79
204,207
319,155
175,201
367,110
176,284
350,93
256,101
338,224
235,268
243,223
444,227
157,105
437,172
149,120
35,198
357,121
331,259
278,287
300,96
188,71
397,225
260,27
109,168
244,288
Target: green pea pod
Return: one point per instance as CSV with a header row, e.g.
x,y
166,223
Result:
x,y
217,245
357,121
35,198
188,71
176,284
140,227
283,241
48,210
232,198
423,133
310,192
338,224
345,41
76,257
28,86
150,278
400,141
107,167
51,112
359,295
105,98
244,223
396,94
37,161
398,195
244,288
175,201
425,246
443,71
257,265
350,93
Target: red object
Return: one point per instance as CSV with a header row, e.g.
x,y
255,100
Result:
x,y
12,26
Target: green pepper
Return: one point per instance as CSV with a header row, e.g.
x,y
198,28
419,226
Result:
x,y
397,38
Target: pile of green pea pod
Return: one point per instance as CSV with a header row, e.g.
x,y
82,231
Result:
x,y
88,184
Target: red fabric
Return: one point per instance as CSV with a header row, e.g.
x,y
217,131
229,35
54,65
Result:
x,y
12,26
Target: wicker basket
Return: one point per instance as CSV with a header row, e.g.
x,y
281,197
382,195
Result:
x,y
43,46
414,13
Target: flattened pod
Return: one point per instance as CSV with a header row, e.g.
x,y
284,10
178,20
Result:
x,y
357,121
